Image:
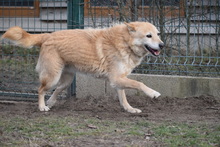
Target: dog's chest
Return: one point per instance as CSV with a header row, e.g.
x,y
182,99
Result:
x,y
125,68
127,64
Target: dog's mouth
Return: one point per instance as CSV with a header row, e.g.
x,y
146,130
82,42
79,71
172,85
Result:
x,y
152,51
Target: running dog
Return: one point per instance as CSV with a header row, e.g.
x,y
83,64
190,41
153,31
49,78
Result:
x,y
110,53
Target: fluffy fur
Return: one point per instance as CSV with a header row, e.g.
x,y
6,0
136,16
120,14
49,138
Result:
x,y
110,53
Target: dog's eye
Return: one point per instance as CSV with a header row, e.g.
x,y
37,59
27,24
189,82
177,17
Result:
x,y
158,34
149,36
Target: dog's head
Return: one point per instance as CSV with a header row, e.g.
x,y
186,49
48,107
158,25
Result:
x,y
145,36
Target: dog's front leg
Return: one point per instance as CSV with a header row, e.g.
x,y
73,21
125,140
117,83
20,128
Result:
x,y
124,82
124,103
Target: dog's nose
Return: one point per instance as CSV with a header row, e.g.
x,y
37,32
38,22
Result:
x,y
161,45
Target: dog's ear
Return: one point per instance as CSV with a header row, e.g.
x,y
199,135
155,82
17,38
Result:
x,y
131,27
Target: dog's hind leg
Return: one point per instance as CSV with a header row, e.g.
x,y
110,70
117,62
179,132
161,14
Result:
x,y
47,82
124,103
64,82
49,67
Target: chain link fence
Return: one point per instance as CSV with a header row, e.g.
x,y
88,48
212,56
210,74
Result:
x,y
190,30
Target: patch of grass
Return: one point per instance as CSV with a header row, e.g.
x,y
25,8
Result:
x,y
17,64
139,128
19,131
187,135
8,50
16,57
53,129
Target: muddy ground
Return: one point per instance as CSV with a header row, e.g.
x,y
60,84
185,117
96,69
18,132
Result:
x,y
202,109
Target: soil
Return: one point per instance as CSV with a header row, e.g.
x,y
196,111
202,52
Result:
x,y
204,109
191,109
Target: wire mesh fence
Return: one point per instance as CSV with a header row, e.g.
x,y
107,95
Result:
x,y
190,30
17,65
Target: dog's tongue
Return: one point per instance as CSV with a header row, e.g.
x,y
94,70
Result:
x,y
157,52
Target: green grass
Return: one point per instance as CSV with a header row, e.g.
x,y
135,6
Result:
x,y
18,64
42,128
9,50
26,131
188,135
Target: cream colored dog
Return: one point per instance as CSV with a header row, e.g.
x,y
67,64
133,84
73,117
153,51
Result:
x,y
110,53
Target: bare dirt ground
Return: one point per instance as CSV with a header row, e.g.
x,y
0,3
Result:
x,y
202,109
192,109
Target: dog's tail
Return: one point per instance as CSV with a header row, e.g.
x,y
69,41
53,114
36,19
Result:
x,y
22,38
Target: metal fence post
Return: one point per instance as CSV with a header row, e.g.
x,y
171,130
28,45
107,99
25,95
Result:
x,y
75,20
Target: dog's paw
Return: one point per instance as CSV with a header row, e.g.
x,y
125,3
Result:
x,y
51,103
44,108
155,94
133,110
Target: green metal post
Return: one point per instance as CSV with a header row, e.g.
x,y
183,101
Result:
x,y
75,20
75,14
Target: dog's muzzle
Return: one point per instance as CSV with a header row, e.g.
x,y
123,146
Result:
x,y
154,52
